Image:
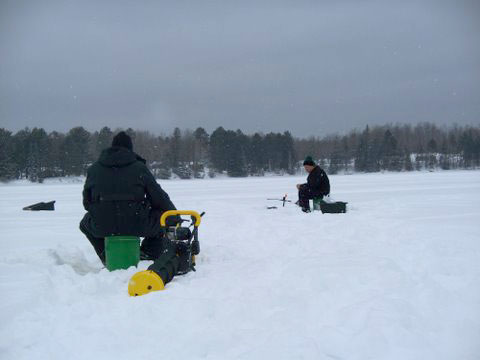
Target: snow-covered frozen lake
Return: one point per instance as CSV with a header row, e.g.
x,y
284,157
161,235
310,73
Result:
x,y
397,277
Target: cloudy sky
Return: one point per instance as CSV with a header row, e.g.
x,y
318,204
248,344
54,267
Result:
x,y
311,67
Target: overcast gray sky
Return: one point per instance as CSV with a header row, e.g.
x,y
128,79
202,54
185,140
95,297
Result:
x,y
311,67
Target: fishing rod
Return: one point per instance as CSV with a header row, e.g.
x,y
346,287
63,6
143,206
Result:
x,y
283,200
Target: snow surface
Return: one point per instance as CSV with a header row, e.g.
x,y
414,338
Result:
x,y
397,277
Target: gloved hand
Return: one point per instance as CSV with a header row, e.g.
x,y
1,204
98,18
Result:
x,y
173,220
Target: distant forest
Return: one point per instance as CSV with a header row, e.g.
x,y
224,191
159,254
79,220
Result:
x,y
35,154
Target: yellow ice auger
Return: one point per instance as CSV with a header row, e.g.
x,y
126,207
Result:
x,y
179,259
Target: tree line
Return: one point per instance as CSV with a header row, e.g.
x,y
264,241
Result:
x,y
397,148
35,154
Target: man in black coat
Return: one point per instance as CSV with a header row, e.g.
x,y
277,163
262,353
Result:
x,y
317,184
122,197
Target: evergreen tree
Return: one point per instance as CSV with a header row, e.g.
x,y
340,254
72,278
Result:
x,y
75,151
432,146
288,153
37,154
345,154
183,171
200,152
145,145
408,162
363,152
470,147
20,150
432,161
161,160
256,155
174,148
103,141
444,162
276,152
390,157
218,146
419,162
235,154
55,158
7,164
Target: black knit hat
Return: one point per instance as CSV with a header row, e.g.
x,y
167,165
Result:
x,y
123,140
308,161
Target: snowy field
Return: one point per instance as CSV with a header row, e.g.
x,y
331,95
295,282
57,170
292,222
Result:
x,y
397,277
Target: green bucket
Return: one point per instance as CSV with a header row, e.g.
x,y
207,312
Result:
x,y
317,203
121,252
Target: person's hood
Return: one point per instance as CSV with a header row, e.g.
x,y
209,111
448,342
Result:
x,y
117,156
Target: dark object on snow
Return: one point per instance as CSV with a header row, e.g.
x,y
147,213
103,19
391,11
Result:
x,y
333,208
271,207
283,200
41,206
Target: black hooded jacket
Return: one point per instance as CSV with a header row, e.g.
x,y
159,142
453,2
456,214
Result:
x,y
318,182
121,194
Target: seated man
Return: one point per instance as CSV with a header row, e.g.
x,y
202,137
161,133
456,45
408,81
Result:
x,y
123,198
317,184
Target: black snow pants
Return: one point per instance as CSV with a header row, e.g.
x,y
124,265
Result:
x,y
305,193
153,244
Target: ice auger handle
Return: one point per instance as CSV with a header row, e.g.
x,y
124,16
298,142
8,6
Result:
x,y
169,213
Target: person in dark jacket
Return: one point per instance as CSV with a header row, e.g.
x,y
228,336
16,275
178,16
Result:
x,y
317,184
122,197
